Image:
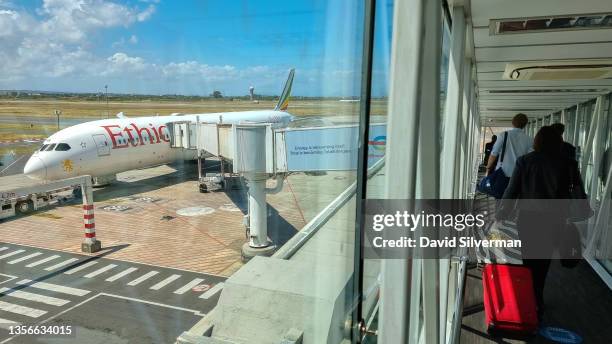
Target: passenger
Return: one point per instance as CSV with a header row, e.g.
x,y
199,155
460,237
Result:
x,y
568,149
517,143
488,148
541,174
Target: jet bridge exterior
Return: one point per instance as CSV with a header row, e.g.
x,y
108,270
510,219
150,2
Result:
x,y
259,151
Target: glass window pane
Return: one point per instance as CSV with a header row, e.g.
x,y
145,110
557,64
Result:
x,y
62,147
176,232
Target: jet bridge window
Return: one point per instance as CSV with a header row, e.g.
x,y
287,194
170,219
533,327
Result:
x,y
62,147
50,147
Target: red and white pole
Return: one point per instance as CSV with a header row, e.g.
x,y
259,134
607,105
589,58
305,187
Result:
x,y
90,244
90,223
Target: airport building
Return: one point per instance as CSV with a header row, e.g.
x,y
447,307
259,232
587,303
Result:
x,y
310,220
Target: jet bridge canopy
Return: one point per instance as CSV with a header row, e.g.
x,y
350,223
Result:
x,y
261,148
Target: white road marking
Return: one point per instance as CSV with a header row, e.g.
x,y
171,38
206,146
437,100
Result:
x,y
165,282
147,264
11,164
55,287
15,261
188,286
80,267
100,270
143,278
6,324
11,254
42,261
22,310
20,294
196,312
121,274
212,291
59,265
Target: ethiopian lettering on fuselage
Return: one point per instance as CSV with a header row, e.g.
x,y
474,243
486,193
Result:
x,y
135,136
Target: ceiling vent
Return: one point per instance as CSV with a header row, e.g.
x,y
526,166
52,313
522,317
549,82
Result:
x,y
550,23
559,70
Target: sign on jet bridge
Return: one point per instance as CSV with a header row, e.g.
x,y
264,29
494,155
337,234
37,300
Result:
x,y
331,148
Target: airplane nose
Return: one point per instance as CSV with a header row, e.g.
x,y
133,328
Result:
x,y
35,168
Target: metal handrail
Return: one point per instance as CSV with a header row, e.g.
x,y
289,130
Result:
x,y
301,237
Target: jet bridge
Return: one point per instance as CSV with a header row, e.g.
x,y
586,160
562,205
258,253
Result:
x,y
260,151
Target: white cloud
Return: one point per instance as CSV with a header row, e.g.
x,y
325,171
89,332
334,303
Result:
x,y
51,50
56,42
71,20
146,14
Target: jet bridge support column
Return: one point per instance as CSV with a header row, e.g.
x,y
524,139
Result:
x,y
90,244
252,146
259,244
258,219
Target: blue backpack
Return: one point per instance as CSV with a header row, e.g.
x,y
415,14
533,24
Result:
x,y
495,183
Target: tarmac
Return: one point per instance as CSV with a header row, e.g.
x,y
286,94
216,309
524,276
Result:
x,y
153,224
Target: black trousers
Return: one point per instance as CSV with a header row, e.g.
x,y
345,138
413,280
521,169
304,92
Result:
x,y
539,269
539,234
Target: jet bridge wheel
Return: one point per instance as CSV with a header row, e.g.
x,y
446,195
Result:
x,y
24,207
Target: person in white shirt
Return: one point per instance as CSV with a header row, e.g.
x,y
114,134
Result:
x,y
518,144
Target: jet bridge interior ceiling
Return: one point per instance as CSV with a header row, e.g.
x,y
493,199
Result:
x,y
539,34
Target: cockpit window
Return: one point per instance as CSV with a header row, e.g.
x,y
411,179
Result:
x,y
62,147
42,148
50,147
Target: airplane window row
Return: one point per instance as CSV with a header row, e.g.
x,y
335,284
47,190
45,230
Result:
x,y
58,147
136,139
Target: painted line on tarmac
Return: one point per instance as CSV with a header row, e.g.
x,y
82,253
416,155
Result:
x,y
188,286
165,282
20,294
15,261
10,254
59,265
55,287
80,267
6,324
42,261
121,274
143,278
212,291
21,310
100,270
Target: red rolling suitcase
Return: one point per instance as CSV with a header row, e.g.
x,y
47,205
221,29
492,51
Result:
x,y
509,299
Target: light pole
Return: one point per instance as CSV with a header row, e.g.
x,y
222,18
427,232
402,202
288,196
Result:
x,y
58,113
106,91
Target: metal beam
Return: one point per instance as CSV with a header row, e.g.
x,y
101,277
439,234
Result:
x,y
413,97
454,100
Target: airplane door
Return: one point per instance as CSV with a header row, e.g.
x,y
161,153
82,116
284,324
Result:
x,y
102,144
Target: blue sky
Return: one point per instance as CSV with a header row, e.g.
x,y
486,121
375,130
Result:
x,y
188,47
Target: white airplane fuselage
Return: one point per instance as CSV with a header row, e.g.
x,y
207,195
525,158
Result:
x,y
110,146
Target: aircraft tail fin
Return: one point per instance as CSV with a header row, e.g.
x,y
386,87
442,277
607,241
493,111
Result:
x,y
121,115
283,101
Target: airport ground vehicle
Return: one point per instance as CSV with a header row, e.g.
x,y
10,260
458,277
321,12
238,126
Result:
x,y
26,199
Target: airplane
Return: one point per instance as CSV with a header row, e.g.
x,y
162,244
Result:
x,y
103,148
